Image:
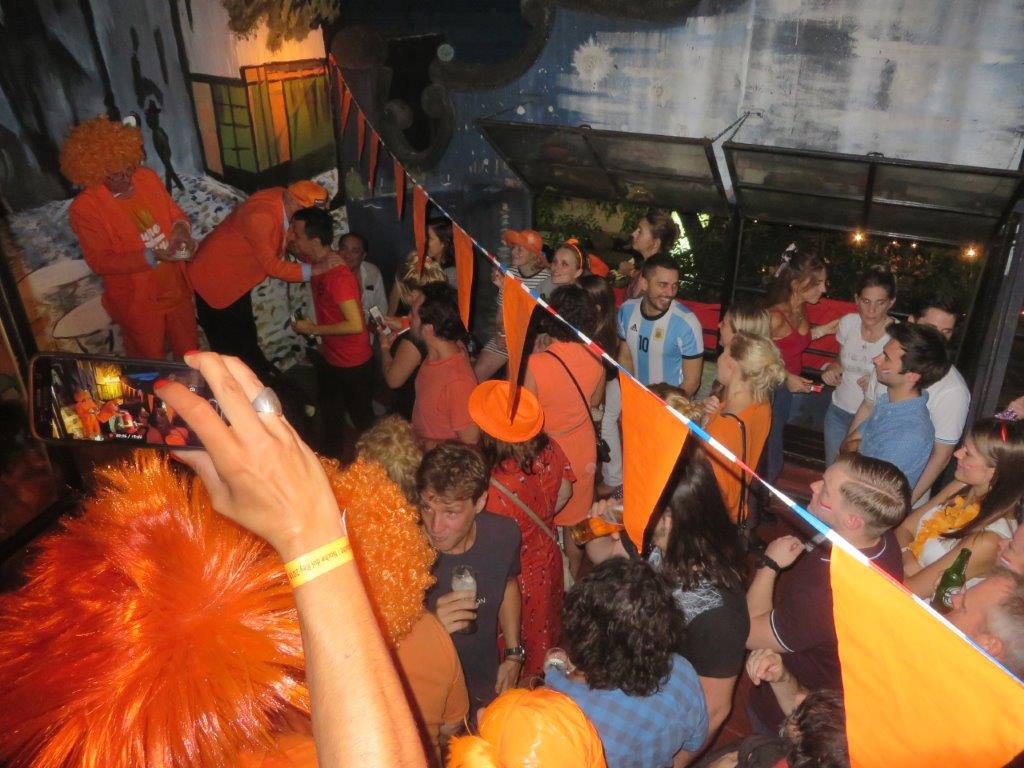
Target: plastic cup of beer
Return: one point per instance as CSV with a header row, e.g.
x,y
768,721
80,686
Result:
x,y
464,580
595,527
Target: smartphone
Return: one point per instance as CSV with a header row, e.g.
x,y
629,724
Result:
x,y
378,320
94,400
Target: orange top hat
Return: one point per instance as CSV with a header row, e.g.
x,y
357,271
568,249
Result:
x,y
488,407
528,238
308,194
530,728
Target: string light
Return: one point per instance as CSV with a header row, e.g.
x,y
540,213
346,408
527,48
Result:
x,y
913,245
970,252
858,237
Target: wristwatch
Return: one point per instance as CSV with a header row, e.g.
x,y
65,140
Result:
x,y
516,652
766,562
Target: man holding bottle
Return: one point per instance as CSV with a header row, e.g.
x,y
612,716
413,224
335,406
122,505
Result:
x,y
452,484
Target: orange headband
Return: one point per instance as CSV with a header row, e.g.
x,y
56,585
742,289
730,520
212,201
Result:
x,y
573,243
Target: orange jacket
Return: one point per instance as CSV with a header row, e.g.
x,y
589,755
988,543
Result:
x,y
113,249
243,250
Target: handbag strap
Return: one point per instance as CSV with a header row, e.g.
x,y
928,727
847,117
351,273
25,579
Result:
x,y
583,397
741,513
519,503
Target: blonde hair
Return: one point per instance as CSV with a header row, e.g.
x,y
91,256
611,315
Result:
x,y
411,278
678,401
749,318
392,444
760,363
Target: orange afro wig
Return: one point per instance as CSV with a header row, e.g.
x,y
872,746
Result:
x,y
391,550
153,631
98,148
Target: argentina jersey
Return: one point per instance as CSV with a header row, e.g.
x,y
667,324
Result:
x,y
660,344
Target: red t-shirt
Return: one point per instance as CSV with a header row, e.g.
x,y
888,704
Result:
x,y
329,291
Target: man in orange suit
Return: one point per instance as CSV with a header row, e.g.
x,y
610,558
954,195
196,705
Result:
x,y
134,236
239,254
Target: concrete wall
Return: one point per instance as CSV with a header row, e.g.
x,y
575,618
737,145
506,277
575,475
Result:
x,y
928,80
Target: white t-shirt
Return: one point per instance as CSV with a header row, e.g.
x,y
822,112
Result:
x,y
948,402
855,355
372,284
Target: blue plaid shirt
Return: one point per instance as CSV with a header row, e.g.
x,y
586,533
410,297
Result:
x,y
643,731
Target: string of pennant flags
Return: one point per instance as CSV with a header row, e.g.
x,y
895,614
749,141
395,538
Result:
x,y
904,667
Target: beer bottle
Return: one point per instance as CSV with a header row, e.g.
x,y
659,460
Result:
x,y
951,582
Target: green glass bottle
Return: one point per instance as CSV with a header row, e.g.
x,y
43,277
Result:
x,y
951,582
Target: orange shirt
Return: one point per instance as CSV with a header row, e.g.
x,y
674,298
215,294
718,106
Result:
x,y
243,250
443,388
567,418
757,419
430,669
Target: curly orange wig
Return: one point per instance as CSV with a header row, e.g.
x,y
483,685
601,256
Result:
x,y
391,550
153,631
98,148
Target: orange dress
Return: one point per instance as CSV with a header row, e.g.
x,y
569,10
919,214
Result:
x,y
567,418
757,418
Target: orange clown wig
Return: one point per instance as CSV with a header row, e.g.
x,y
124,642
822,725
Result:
x,y
153,631
98,148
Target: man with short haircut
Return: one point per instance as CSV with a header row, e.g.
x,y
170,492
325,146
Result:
x,y
452,484
860,498
621,628
661,340
991,613
898,428
949,399
445,380
353,249
345,366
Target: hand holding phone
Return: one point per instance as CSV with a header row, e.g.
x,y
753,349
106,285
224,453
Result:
x,y
378,321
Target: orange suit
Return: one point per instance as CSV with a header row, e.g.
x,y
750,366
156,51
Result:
x,y
153,305
243,251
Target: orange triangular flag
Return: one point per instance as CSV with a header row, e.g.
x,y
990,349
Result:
x,y
399,186
516,309
916,692
419,221
463,270
374,150
346,106
651,441
360,134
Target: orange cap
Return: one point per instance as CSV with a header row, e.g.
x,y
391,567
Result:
x,y
525,728
528,238
488,407
308,194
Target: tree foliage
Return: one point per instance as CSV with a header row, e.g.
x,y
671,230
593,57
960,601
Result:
x,y
285,19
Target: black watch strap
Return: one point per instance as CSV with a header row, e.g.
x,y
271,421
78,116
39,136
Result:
x,y
515,652
766,562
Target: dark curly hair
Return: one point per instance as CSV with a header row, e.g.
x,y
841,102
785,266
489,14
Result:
x,y
440,309
575,305
621,627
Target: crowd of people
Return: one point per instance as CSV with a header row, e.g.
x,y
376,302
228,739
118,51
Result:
x,y
632,649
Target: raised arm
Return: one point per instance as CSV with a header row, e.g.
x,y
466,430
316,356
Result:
x,y
260,474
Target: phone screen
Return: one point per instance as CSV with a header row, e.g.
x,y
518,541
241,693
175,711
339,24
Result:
x,y
85,400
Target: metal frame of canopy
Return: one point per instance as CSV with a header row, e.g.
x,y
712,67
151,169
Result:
x,y
929,202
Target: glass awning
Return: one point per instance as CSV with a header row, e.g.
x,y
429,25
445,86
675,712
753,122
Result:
x,y
895,198
931,202
677,173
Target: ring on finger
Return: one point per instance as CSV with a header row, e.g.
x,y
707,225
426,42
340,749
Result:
x,y
267,401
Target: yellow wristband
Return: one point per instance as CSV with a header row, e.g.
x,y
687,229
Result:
x,y
318,562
